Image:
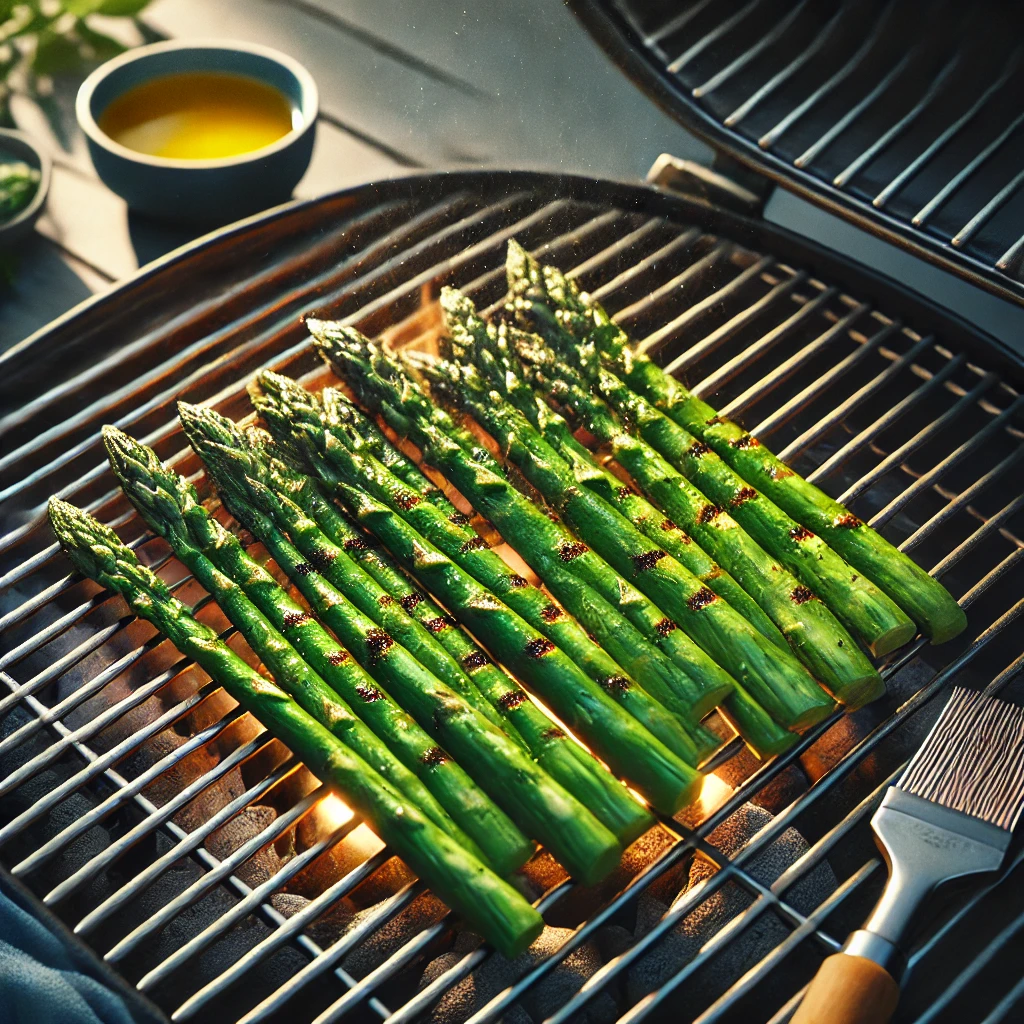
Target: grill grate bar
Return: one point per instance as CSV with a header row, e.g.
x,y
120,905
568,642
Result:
x,y
887,138
804,397
292,926
821,40
245,906
654,341
679,21
827,88
784,370
202,885
971,228
915,165
932,382
708,345
858,398
622,244
712,37
949,462
957,180
811,153
751,53
898,457
994,523
680,244
729,369
187,842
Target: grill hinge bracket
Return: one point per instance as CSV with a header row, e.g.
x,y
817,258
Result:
x,y
717,184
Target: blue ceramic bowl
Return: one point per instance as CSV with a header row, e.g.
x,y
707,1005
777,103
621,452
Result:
x,y
201,191
18,147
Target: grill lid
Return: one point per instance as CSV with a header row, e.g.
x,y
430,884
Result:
x,y
902,116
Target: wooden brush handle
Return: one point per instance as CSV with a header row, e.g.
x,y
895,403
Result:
x,y
849,990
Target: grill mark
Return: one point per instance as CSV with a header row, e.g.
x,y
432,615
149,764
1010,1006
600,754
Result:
x,y
473,545
747,441
801,595
551,613
322,558
355,544
515,580
458,519
567,552
624,492
338,657
552,515
296,618
480,455
799,533
847,521
305,569
665,627
433,757
714,573
405,500
411,600
702,599
539,647
708,513
474,660
742,496
777,472
648,560
369,693
667,524
437,625
378,643
697,450
616,684
384,600
511,700
554,733
714,419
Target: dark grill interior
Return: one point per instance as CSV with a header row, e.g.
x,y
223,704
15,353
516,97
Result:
x,y
905,113
207,866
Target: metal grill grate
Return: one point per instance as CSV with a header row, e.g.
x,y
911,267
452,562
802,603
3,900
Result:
x,y
125,778
904,114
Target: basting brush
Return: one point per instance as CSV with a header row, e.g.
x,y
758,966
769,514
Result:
x,y
951,815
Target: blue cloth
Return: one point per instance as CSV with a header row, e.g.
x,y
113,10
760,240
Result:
x,y
45,980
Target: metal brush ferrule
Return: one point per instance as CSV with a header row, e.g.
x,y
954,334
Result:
x,y
924,845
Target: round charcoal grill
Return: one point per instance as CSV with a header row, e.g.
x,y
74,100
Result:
x,y
901,115
188,849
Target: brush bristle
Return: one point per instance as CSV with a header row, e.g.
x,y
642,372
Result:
x,y
973,759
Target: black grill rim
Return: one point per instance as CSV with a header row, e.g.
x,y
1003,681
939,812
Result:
x,y
624,45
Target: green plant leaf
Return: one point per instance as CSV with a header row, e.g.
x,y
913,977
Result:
x,y
55,54
104,47
121,8
80,8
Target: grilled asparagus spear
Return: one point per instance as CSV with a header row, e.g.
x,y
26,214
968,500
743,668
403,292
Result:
x,y
491,348
625,745
250,596
499,765
284,404
814,633
554,303
490,906
774,677
562,758
761,733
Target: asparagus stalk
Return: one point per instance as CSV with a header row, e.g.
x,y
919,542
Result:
x,y
284,405
817,638
491,348
490,905
773,676
589,710
499,765
546,297
267,615
761,733
562,758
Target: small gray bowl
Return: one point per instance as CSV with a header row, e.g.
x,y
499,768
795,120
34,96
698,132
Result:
x,y
18,147
201,191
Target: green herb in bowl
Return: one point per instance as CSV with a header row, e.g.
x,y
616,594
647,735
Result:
x,y
18,185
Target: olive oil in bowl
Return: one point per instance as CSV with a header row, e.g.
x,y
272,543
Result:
x,y
198,115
